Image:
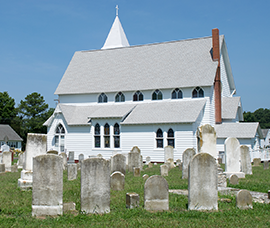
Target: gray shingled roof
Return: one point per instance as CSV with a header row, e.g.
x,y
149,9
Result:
x,y
265,132
6,130
238,130
139,113
183,111
230,107
185,63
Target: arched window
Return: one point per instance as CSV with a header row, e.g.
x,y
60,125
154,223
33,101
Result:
x,y
157,95
159,138
107,135
116,132
138,96
102,98
197,92
177,94
97,136
170,137
59,138
120,97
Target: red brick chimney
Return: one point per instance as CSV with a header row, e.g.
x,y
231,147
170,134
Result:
x,y
217,83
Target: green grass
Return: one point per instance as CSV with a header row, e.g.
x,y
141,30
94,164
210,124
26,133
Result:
x,y
15,205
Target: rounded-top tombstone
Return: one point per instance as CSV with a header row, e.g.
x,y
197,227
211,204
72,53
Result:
x,y
202,183
186,158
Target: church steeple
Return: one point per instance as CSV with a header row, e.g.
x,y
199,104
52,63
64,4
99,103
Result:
x,y
117,37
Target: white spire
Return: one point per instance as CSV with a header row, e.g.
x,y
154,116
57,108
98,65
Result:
x,y
117,36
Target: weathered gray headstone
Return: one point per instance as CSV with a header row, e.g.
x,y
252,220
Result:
x,y
150,165
132,200
14,168
81,157
164,170
21,160
64,157
36,145
117,181
156,194
244,199
72,171
71,157
118,163
202,183
5,148
232,157
233,179
2,168
55,152
186,158
99,156
207,140
135,149
168,153
7,160
256,161
219,160
178,162
245,160
95,185
134,160
136,172
147,160
265,165
47,194
70,206
145,177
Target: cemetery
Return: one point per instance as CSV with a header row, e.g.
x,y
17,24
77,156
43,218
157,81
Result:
x,y
126,191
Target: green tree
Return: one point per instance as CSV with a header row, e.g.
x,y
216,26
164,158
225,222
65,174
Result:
x,y
260,115
32,113
7,108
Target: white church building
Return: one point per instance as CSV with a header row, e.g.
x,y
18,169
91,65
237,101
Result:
x,y
148,96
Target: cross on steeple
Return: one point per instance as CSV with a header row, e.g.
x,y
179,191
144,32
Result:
x,y
117,8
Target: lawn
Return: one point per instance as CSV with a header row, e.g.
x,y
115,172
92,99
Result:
x,y
15,205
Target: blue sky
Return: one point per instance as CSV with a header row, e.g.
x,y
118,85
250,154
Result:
x,y
39,38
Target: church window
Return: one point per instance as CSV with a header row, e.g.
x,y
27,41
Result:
x,y
97,136
157,95
107,135
177,94
197,92
138,96
120,97
159,138
116,132
59,138
102,98
170,137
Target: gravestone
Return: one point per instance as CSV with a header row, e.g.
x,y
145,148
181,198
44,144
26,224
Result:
x,y
95,186
265,165
7,160
132,200
156,194
155,163
21,160
187,155
222,180
2,168
64,157
244,199
135,149
170,163
99,156
81,157
36,145
202,183
232,157
207,140
136,172
256,161
181,166
71,157
72,171
219,160
5,148
150,165
178,162
245,160
55,152
134,160
145,177
233,179
147,160
117,181
14,168
118,163
164,170
47,192
168,153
